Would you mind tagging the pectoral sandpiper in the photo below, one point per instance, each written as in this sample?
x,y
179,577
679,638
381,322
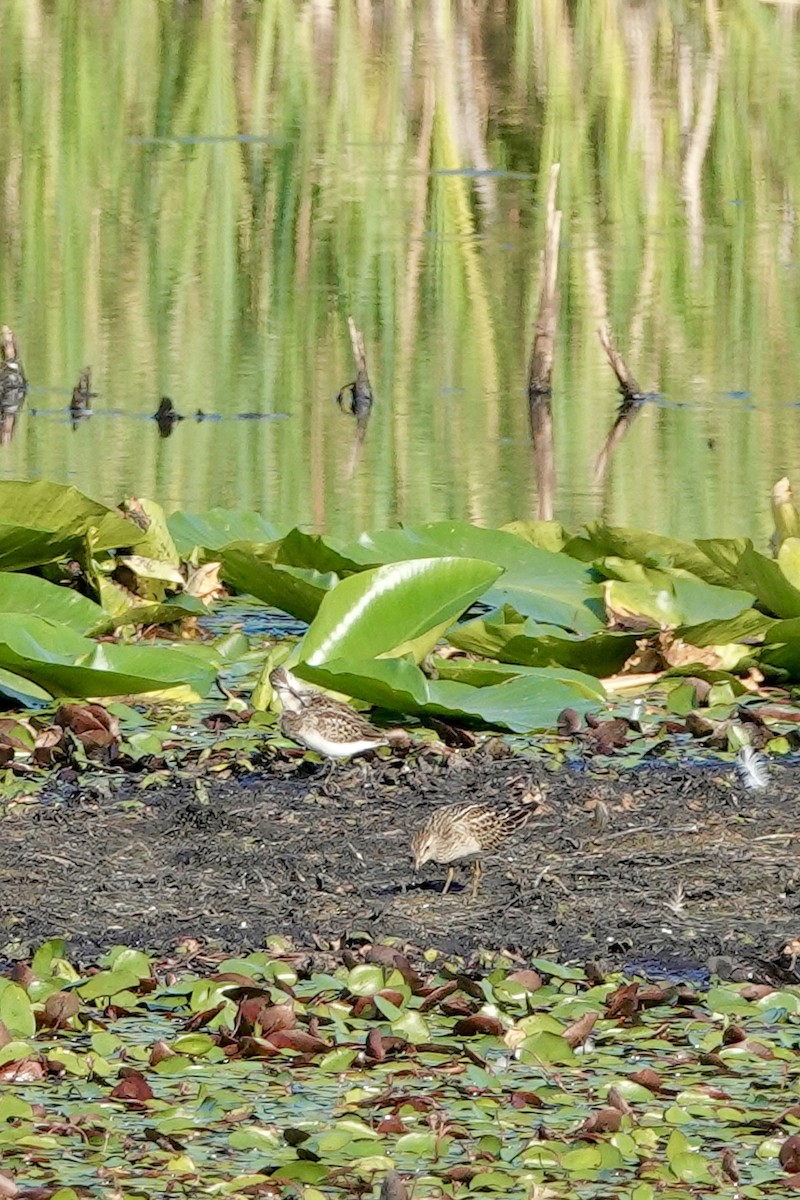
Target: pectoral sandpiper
x,y
319,723
467,831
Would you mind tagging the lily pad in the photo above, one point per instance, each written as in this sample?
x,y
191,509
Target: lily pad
x,y
394,610
522,704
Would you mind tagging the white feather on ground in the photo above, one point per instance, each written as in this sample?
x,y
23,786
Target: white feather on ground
x,y
752,769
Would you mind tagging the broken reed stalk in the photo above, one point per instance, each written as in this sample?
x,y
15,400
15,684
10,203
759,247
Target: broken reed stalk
x,y
13,385
632,398
540,370
361,398
81,402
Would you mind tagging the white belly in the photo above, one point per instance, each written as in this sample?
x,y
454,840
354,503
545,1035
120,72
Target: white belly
x,y
322,745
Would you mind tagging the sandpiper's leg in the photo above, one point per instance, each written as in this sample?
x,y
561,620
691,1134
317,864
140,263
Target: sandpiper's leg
x,y
450,873
477,871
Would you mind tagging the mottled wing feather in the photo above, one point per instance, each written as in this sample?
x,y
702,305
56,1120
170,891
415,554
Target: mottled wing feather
x,y
339,717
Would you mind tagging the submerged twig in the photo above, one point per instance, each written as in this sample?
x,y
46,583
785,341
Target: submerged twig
x,y
540,369
632,399
361,397
81,403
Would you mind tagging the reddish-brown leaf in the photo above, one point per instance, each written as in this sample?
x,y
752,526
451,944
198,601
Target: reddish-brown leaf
x,y
91,723
789,1155
605,1120
729,1166
525,1100
202,1018
132,1089
624,1002
462,1172
756,991
435,995
388,956
22,974
5,1036
60,1006
456,1006
617,1100
253,1047
577,1033
24,1070
649,1079
159,1052
531,980
478,1023
276,1016
374,1047
297,1039
391,1124
8,1188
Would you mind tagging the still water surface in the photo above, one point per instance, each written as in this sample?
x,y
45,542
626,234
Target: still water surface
x,y
195,197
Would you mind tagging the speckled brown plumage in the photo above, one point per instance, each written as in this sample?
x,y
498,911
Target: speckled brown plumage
x,y
467,831
320,723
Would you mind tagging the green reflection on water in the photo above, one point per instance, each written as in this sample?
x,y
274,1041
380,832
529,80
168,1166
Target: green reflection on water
x,y
195,197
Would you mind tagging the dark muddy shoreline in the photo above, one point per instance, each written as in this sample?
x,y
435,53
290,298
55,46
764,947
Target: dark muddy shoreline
x,y
659,865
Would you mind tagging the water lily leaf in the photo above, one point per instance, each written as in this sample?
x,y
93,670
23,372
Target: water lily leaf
x,y
750,624
123,607
295,590
42,522
365,979
547,535
781,648
691,1167
507,636
66,664
301,1171
24,691
549,587
602,541
108,983
675,600
396,609
218,527
584,1158
16,1011
527,702
125,958
20,593
768,582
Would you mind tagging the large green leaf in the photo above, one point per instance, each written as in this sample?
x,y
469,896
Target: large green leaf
x,y
782,647
218,527
649,549
65,664
674,599
766,579
392,610
22,593
295,590
41,522
507,636
529,701
124,608
748,626
23,691
549,587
